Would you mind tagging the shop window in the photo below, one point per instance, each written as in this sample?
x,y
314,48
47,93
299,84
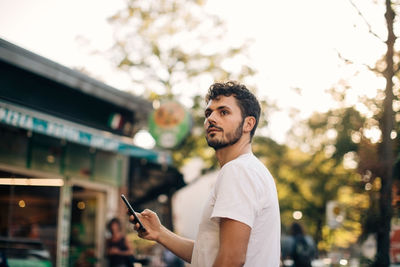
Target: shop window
x,y
78,161
46,153
28,217
13,146
108,167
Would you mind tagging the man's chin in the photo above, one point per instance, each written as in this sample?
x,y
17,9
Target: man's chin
x,y
215,144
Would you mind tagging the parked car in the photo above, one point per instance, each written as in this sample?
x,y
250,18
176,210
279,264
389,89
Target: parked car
x,y
22,252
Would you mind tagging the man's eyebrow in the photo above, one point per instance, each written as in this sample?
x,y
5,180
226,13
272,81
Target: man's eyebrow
x,y
223,107
218,108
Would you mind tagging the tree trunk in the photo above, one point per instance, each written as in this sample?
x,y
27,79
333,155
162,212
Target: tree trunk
x,y
387,125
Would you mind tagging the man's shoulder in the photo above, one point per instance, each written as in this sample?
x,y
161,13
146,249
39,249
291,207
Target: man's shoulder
x,y
245,160
246,165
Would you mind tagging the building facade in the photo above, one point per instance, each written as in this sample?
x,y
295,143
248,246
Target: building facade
x,y
66,155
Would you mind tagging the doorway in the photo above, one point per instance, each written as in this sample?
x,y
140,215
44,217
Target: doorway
x,y
87,227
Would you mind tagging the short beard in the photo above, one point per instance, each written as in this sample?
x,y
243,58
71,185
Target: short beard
x,y
231,140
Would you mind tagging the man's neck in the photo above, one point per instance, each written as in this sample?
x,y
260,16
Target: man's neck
x,y
226,154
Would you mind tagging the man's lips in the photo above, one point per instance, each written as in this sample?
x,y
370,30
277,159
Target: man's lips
x,y
213,129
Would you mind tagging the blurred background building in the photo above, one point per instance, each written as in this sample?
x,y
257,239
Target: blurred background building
x,y
66,154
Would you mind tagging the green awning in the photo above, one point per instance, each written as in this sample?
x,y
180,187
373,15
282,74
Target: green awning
x,y
42,123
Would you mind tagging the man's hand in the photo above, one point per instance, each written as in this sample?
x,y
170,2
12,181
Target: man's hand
x,y
155,231
151,222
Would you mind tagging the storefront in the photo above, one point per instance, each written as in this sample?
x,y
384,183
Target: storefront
x,y
66,154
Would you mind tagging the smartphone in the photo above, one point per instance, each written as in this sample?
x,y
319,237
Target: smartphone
x,y
132,212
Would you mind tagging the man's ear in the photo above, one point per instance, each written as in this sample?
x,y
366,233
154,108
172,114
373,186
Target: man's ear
x,y
249,123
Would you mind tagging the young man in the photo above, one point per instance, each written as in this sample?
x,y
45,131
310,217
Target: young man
x,y
240,225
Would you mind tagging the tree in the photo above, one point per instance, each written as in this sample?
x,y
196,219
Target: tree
x,y
388,69
172,49
386,155
169,46
324,169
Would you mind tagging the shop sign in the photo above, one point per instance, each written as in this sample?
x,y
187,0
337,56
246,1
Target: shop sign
x,y
170,124
46,124
55,129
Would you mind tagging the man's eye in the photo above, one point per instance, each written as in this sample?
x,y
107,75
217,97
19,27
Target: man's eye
x,y
224,112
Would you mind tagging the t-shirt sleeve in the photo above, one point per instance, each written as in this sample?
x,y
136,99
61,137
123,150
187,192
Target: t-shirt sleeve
x,y
235,196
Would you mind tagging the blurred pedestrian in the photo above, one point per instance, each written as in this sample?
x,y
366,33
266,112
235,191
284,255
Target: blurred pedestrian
x,y
303,249
240,225
171,260
119,250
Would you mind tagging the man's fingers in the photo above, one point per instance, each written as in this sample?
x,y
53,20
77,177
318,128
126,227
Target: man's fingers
x,y
142,234
140,230
131,218
146,212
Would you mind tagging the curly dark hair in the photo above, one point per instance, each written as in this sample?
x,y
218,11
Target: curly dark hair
x,y
248,103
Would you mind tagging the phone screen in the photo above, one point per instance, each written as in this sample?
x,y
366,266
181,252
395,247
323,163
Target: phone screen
x,y
132,212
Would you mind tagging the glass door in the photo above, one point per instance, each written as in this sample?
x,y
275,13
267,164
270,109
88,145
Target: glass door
x,y
85,233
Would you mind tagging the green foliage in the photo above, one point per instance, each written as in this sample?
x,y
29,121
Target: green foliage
x,y
172,46
336,131
324,169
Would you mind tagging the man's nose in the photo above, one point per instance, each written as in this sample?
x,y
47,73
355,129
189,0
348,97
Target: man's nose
x,y
211,119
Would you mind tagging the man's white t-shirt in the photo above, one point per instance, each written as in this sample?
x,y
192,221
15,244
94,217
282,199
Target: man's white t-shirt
x,y
245,191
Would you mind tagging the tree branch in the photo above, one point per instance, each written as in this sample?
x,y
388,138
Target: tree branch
x,y
366,22
348,61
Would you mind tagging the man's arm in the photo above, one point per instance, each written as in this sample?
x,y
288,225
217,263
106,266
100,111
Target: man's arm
x,y
234,238
155,231
181,247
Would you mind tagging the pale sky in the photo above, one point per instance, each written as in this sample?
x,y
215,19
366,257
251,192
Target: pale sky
x,y
295,43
